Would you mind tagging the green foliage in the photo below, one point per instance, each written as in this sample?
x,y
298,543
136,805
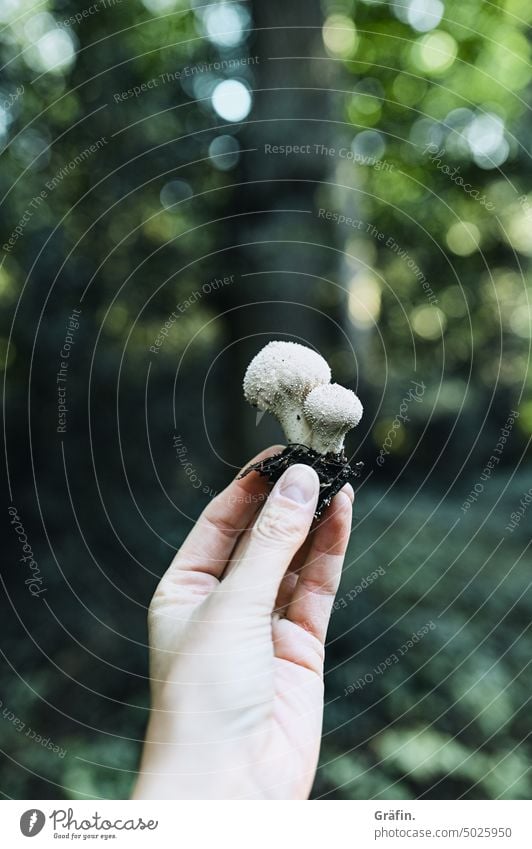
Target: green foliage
x,y
132,231
450,717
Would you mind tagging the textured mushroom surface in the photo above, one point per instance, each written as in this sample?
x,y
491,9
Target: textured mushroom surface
x,y
293,382
333,406
331,411
283,370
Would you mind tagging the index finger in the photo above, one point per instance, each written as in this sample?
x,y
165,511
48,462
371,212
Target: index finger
x,y
211,541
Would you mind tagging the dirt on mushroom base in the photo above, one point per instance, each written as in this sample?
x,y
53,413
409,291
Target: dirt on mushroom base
x,y
333,470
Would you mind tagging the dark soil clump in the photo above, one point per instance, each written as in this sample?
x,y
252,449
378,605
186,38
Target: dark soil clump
x,y
333,470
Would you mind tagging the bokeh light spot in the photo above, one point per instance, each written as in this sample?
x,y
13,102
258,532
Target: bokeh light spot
x,y
231,100
225,24
435,53
340,36
428,322
364,301
159,7
424,15
174,192
224,152
463,238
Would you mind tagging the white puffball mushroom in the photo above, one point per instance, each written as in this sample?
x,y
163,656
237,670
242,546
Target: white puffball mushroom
x,y
279,378
332,411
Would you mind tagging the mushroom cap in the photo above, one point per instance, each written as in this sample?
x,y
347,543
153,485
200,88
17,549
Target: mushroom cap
x,y
333,407
283,370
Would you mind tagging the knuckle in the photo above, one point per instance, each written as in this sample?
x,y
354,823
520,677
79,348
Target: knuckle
x,y
278,525
327,585
214,517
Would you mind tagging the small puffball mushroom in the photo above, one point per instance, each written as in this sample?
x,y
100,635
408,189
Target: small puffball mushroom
x,y
332,411
279,378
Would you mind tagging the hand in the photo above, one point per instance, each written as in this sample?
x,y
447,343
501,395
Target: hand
x,y
237,628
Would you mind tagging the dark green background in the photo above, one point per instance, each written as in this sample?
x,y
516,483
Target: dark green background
x,y
105,504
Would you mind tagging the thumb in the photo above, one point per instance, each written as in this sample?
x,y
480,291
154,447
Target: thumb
x,y
279,531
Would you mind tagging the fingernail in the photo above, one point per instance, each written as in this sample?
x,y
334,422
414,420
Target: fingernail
x,y
349,491
299,484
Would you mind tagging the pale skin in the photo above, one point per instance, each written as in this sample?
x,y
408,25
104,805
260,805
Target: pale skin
x,y
237,628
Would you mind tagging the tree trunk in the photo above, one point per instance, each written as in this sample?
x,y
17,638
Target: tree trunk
x,y
283,246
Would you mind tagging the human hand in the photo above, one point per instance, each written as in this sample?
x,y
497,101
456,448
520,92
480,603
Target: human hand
x,y
237,628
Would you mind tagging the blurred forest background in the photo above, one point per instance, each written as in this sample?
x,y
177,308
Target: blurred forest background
x,y
139,179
